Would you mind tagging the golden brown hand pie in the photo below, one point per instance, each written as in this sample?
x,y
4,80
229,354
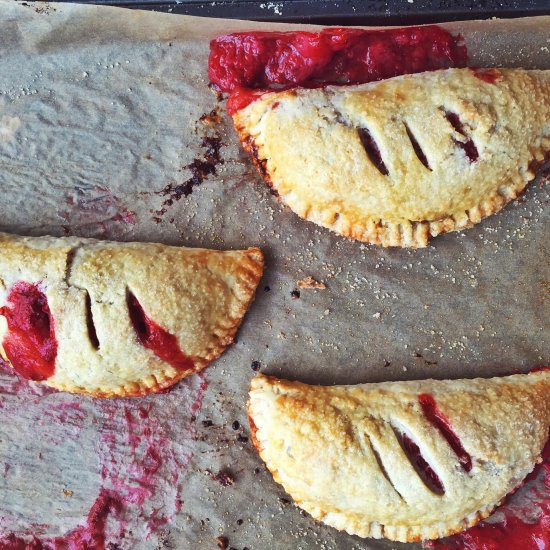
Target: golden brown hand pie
x,y
118,319
401,460
398,161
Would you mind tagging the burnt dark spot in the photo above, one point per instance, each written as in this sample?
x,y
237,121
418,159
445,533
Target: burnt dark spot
x,y
223,477
207,423
255,366
212,118
426,362
214,89
200,168
242,439
295,294
212,146
261,164
236,425
267,288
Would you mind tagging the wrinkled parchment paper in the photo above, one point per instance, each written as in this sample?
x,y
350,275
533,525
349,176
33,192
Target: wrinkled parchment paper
x,y
100,111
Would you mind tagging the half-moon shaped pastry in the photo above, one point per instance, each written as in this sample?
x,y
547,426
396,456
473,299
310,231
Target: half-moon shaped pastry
x,y
118,319
398,161
401,460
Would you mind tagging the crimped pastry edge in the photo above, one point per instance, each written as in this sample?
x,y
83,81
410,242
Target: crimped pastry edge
x,y
376,530
408,234
398,533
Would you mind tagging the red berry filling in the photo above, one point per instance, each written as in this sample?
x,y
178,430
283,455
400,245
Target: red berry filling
x,y
152,336
30,344
430,478
441,422
332,56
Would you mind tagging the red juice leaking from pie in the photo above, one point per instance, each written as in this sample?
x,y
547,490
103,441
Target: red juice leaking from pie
x,y
522,523
242,63
441,422
30,343
163,344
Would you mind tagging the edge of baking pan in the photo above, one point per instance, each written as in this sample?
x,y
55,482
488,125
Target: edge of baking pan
x,y
344,12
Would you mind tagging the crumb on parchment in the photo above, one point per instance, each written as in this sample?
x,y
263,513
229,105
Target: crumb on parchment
x,y
310,282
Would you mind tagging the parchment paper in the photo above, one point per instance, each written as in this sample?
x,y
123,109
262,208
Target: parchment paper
x,y
100,111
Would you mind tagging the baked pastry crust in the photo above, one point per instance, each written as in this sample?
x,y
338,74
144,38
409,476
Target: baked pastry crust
x,y
310,146
336,450
200,296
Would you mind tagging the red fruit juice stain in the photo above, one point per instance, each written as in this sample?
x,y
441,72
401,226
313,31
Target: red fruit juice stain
x,y
487,75
90,535
143,448
522,523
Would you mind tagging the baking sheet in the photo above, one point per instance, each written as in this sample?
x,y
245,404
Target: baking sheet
x,y
103,114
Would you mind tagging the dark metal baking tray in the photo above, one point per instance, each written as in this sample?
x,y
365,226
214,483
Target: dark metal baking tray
x,y
345,12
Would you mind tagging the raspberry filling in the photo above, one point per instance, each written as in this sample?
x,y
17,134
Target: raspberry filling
x,y
441,422
152,336
30,344
468,146
242,62
430,478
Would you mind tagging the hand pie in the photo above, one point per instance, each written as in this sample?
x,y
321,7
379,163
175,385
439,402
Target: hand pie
x,y
401,460
118,319
397,161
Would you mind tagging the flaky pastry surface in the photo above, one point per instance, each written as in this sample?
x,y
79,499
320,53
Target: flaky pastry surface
x,y
198,295
338,450
309,144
